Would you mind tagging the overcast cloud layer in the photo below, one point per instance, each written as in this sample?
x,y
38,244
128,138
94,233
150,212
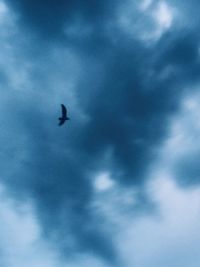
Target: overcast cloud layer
x,y
118,185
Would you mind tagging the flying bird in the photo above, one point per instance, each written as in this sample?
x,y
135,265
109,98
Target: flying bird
x,y
64,115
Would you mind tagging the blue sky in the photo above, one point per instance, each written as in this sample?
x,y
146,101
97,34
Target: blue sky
x,y
118,185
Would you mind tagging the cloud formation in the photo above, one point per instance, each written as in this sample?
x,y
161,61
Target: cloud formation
x,y
123,71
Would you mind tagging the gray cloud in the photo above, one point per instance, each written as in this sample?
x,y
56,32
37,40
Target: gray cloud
x,y
49,17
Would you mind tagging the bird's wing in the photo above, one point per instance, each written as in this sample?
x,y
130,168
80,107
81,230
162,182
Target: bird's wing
x,y
64,110
61,122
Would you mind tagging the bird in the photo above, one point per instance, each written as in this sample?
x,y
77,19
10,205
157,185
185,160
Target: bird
x,y
64,115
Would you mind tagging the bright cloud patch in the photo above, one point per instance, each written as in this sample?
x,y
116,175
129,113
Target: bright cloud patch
x,y
6,20
171,237
3,8
181,144
168,237
145,4
103,182
21,242
163,15
149,20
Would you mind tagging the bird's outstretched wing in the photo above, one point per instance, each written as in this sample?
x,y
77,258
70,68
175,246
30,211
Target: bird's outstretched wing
x,y
61,122
64,111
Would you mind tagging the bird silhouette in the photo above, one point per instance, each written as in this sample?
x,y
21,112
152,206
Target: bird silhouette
x,y
64,115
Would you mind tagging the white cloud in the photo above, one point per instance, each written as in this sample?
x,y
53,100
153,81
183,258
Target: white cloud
x,y
148,20
163,15
171,237
103,182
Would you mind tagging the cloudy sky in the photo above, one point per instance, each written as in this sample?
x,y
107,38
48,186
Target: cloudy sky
x,y
119,184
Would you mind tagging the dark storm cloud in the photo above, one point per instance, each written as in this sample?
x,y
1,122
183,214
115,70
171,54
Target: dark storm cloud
x,y
181,52
127,102
126,114
50,16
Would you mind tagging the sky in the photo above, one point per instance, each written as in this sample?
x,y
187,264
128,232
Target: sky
x,y
119,184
